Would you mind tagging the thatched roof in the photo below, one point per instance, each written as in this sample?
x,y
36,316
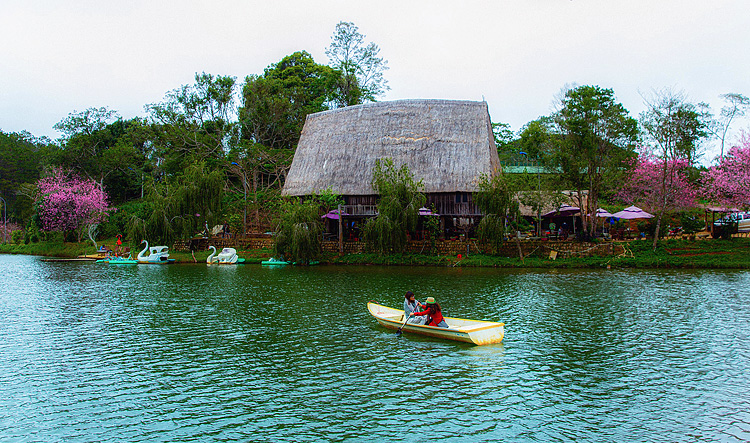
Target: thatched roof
x,y
447,144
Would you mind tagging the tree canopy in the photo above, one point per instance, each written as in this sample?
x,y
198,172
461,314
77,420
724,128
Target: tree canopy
x,y
361,69
596,136
399,198
276,103
673,132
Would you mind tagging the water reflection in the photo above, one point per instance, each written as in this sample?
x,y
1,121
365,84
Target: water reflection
x,y
165,353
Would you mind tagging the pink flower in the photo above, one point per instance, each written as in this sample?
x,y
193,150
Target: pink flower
x,y
728,182
656,185
66,203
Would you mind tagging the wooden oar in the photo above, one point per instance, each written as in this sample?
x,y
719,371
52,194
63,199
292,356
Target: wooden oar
x,y
398,331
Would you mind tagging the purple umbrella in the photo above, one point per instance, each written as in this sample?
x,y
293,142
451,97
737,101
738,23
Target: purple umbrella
x,y
333,215
631,213
563,211
425,211
603,213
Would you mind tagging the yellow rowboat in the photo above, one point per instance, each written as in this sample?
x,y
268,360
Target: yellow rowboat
x,y
470,331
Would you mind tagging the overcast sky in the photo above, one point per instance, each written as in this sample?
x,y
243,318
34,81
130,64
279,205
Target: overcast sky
x,y
62,56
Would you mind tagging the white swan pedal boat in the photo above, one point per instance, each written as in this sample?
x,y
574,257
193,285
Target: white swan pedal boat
x,y
158,255
478,332
227,256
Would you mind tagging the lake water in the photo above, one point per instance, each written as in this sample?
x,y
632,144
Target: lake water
x,y
92,352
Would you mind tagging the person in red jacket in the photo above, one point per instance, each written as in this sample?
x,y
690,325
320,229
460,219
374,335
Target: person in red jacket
x,y
434,312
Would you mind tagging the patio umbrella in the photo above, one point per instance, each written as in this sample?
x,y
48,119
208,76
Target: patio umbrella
x,y
631,213
563,211
603,213
425,211
333,215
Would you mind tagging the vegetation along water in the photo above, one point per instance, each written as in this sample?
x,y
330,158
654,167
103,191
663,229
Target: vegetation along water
x,y
215,353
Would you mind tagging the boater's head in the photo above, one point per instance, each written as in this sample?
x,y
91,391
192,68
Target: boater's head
x,y
432,305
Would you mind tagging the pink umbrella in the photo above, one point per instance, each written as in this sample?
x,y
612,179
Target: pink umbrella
x,y
631,213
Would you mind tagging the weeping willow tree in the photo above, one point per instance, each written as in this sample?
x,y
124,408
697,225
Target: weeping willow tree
x,y
180,207
400,197
299,231
498,199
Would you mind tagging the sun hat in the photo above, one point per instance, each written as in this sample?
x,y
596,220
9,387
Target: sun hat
x,y
430,300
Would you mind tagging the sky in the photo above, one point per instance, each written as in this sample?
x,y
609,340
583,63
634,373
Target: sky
x,y
64,56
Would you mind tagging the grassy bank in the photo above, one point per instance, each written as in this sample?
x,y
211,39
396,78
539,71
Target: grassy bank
x,y
49,249
690,254
701,254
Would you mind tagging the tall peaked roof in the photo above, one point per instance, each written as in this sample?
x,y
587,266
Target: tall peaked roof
x,y
446,143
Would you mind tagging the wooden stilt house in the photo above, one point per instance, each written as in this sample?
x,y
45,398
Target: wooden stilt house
x,y
446,143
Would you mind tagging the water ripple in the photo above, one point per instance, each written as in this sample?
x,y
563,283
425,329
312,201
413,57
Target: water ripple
x,y
196,353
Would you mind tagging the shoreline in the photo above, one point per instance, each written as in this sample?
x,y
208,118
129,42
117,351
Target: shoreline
x,y
673,254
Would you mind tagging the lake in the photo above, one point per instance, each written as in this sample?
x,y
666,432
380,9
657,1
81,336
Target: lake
x,y
92,352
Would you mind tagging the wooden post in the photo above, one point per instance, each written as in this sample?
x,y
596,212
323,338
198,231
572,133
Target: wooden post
x,y
341,231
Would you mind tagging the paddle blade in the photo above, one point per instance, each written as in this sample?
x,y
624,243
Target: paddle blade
x,y
398,331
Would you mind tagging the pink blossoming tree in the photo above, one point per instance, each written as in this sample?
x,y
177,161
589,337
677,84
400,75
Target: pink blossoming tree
x,y
67,203
728,183
659,186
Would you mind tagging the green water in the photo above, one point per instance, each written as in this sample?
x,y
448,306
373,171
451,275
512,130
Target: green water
x,y
91,352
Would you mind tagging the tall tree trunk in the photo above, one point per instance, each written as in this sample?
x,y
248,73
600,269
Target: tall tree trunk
x,y
520,250
656,232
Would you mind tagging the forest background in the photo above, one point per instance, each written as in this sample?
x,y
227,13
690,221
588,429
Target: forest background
x,y
217,151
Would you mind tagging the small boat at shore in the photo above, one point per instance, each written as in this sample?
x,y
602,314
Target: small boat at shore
x,y
227,256
118,261
158,255
478,332
273,262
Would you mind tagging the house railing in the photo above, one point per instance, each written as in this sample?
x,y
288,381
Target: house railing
x,y
443,208
463,209
360,210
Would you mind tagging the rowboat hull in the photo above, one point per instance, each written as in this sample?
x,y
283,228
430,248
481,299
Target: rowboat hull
x,y
477,332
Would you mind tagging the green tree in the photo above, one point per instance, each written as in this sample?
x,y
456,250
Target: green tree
x,y
299,232
362,70
87,136
257,174
194,123
104,150
399,198
276,103
503,135
22,159
498,199
597,136
179,207
537,139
